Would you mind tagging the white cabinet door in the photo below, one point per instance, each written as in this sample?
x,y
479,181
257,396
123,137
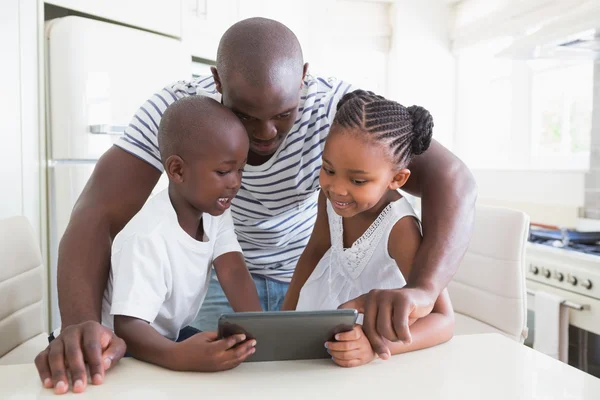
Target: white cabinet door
x,y
163,16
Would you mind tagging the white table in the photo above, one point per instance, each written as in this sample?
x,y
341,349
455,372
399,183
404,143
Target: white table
x,y
487,366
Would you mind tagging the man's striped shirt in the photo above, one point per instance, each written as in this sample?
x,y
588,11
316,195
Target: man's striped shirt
x,y
276,207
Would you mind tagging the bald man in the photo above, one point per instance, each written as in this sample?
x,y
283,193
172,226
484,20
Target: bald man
x,y
261,76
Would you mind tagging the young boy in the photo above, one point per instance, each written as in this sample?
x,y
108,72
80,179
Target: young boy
x,y
161,260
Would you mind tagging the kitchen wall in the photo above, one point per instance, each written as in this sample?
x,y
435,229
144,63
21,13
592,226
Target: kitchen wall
x,y
592,178
421,68
20,167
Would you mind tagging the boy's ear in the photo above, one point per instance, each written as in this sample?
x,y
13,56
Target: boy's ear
x,y
174,168
399,179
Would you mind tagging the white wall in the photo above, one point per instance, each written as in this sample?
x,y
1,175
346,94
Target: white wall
x,y
421,66
19,125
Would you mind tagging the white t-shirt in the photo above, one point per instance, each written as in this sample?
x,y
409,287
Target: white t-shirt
x,y
346,273
276,207
159,273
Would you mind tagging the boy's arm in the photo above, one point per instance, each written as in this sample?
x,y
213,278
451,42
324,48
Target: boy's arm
x,y
233,275
202,352
237,283
144,342
319,243
438,326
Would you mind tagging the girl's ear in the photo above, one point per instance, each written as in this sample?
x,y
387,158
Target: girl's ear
x,y
399,179
174,168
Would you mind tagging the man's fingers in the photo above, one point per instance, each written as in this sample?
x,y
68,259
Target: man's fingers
x,y
43,367
400,320
357,303
113,353
369,327
92,351
76,364
56,359
385,327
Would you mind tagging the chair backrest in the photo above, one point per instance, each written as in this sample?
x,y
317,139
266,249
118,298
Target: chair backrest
x,y
490,283
20,284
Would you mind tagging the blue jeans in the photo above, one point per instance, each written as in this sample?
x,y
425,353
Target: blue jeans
x,y
270,292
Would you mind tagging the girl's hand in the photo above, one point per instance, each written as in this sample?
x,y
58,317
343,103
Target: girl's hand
x,y
351,348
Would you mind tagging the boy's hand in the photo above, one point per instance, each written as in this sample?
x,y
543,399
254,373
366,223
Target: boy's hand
x,y
351,348
203,352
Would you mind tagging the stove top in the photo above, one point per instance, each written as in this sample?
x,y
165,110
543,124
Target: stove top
x,y
583,242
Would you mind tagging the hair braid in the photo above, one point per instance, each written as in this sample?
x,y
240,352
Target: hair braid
x,y
406,131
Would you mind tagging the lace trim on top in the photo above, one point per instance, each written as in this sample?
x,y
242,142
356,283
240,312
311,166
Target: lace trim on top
x,y
354,259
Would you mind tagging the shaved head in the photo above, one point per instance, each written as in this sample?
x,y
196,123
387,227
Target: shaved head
x,y
261,51
197,125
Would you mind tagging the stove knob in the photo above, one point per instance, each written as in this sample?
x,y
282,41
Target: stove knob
x,y
546,272
559,276
572,280
586,283
534,269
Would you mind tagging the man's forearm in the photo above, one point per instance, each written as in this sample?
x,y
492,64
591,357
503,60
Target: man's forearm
x,y
83,266
448,210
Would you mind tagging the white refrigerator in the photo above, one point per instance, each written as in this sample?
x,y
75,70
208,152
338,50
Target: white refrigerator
x,y
98,75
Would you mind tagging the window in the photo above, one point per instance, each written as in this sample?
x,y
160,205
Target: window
x,y
517,114
561,113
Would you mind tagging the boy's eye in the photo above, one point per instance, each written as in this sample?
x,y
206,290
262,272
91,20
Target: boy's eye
x,y
284,115
358,181
327,171
222,173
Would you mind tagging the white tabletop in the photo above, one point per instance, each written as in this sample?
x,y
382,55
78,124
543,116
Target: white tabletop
x,y
487,366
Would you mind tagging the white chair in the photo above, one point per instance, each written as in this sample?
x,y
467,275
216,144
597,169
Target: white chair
x,y
488,292
22,335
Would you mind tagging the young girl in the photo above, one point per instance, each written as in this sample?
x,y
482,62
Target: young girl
x,y
366,234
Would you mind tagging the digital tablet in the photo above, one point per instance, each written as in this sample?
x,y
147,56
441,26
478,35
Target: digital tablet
x,y
288,335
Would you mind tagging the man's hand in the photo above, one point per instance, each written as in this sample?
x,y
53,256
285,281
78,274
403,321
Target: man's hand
x,y
351,348
77,345
204,352
389,313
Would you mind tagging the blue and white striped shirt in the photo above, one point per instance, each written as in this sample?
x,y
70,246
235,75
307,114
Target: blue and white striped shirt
x,y
276,207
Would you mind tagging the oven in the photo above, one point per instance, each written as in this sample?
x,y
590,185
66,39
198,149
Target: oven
x,y
575,277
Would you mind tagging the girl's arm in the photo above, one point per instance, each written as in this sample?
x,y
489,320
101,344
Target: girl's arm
x,y
437,327
319,243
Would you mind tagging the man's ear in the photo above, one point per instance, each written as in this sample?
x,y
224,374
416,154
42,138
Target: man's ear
x,y
399,179
174,167
304,72
215,75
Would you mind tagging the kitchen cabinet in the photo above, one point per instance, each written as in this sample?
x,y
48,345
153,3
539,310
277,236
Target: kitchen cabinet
x,y
161,16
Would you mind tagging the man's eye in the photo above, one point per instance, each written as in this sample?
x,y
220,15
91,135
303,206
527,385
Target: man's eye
x,y
244,117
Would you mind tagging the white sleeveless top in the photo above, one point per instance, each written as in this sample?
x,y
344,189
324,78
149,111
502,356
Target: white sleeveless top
x,y
344,274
